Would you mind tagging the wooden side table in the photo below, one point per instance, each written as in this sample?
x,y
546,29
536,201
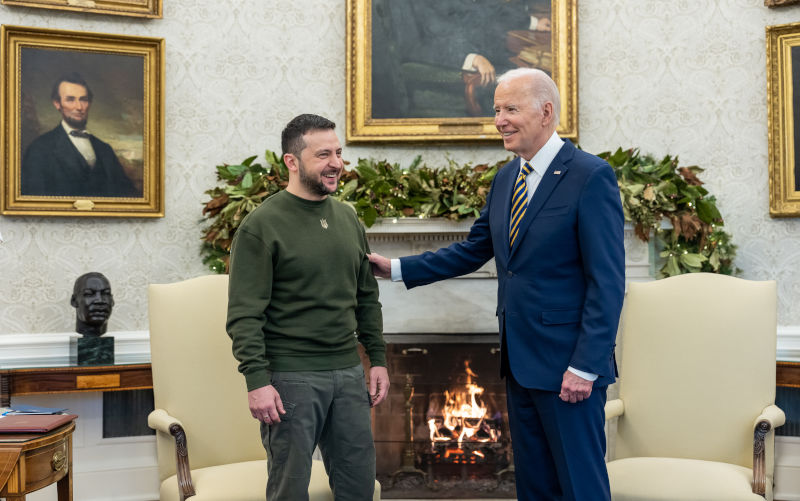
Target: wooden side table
x,y
31,461
73,379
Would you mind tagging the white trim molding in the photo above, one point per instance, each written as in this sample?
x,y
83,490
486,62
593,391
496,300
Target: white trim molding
x,y
788,349
787,469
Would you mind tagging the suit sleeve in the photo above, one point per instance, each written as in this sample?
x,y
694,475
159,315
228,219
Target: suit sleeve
x,y
458,259
600,233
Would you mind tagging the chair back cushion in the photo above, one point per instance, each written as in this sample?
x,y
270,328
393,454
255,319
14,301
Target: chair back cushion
x,y
697,366
195,377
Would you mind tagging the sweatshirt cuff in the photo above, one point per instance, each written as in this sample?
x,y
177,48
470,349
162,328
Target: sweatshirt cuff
x,y
256,380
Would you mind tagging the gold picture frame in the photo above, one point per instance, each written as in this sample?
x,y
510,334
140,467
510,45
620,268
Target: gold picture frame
x,y
401,90
135,8
783,97
114,166
779,3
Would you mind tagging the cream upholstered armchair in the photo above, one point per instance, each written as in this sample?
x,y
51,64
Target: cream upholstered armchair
x,y
207,442
696,392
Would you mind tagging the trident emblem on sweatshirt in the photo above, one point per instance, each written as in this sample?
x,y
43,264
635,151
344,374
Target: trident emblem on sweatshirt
x,y
323,223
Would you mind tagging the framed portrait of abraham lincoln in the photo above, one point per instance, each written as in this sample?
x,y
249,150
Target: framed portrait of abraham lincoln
x,y
421,70
82,124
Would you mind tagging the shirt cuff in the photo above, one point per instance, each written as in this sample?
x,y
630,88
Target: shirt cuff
x,y
468,61
397,273
585,375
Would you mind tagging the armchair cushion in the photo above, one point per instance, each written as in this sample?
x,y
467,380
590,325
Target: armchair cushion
x,y
668,479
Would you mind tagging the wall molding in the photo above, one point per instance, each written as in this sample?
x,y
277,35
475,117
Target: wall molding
x,y
788,349
133,347
787,469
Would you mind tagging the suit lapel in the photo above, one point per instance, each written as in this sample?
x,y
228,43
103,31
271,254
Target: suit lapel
x,y
554,174
67,151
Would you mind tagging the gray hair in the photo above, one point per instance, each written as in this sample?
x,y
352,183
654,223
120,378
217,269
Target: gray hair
x,y
542,88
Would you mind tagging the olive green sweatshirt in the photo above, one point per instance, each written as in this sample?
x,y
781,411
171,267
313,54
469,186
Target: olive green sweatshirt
x,y
301,293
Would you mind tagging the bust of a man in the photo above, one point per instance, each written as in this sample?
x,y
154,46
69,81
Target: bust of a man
x,y
92,300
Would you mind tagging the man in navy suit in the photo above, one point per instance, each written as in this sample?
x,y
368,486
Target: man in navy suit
x,y
68,161
553,222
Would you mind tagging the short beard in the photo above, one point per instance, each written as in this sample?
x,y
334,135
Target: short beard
x,y
75,124
313,186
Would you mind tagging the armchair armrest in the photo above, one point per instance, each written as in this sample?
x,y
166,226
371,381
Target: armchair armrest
x,y
771,417
614,408
159,420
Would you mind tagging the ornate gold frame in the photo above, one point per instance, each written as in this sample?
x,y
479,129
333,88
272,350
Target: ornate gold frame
x,y
784,199
779,3
151,51
135,8
363,128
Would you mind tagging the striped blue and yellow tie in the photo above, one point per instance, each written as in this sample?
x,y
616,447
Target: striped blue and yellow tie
x,y
519,201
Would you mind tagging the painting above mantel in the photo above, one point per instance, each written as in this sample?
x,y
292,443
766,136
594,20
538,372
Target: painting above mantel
x,y
426,71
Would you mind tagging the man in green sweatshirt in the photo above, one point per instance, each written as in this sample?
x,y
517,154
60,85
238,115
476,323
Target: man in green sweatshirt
x,y
301,297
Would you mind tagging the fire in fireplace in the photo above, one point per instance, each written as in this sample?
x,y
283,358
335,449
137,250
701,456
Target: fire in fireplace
x,y
443,432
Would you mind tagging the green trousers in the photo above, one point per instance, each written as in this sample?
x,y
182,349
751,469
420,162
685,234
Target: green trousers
x,y
326,408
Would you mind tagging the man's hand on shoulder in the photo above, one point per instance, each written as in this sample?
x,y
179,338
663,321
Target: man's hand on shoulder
x,y
381,266
378,385
265,404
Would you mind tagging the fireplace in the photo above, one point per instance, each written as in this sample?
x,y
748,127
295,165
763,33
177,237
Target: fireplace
x,y
443,431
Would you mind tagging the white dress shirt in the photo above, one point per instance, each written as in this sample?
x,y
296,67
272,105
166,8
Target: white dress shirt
x,y
82,143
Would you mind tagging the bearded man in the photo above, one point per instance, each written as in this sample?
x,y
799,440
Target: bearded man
x,y
301,297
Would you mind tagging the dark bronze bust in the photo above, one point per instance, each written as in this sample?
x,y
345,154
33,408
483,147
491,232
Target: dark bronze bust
x,y
92,299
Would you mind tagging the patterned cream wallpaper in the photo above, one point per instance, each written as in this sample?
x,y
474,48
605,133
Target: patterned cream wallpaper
x,y
669,76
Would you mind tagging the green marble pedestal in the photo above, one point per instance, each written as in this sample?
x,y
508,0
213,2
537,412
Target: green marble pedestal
x,y
96,350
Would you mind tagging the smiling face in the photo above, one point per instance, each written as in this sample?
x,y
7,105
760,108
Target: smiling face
x,y
524,124
315,173
74,103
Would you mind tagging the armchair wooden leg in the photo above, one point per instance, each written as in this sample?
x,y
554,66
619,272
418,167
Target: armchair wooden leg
x,y
184,473
759,458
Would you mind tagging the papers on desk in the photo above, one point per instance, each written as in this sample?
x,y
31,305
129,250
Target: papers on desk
x,y
30,410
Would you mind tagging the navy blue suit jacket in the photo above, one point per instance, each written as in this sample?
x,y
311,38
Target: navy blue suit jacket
x,y
53,166
560,289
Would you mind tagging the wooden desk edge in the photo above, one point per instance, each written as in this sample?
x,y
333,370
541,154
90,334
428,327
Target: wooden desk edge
x,y
50,380
787,374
